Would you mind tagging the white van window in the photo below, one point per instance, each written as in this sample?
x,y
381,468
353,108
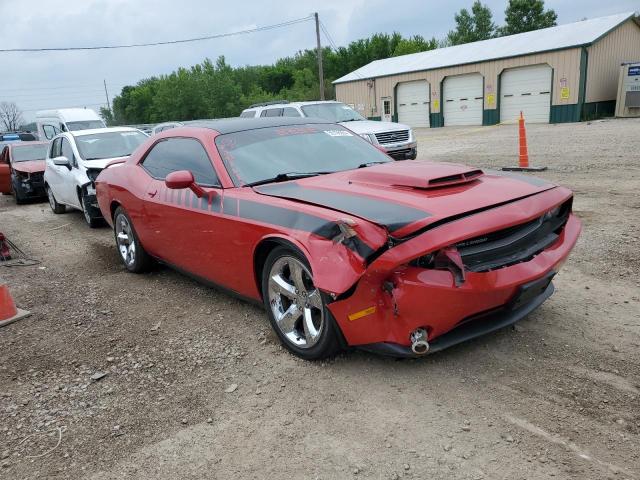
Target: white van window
x,y
248,114
85,125
50,131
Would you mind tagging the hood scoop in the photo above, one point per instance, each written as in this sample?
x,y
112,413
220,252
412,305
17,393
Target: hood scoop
x,y
418,175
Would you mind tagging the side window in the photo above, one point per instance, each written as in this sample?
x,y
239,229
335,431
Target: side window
x,y
50,131
4,156
271,112
67,151
248,114
175,154
55,148
290,112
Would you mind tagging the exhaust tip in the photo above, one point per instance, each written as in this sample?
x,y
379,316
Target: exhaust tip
x,y
419,343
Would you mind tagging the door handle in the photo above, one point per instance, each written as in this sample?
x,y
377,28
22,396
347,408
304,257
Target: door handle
x,y
152,194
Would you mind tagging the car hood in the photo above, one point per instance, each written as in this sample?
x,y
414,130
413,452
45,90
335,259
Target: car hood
x,y
29,166
371,126
406,196
101,163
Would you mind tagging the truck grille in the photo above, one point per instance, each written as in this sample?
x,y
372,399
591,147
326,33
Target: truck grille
x,y
392,137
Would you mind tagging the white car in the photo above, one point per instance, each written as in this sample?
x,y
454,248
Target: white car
x,y
75,159
396,139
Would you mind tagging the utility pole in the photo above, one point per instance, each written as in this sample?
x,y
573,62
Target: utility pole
x,y
320,71
106,93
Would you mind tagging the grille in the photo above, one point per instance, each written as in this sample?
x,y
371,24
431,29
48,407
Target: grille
x,y
392,137
513,245
400,154
37,177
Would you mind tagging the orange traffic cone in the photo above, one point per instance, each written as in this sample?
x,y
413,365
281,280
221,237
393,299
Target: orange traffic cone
x,y
8,311
523,164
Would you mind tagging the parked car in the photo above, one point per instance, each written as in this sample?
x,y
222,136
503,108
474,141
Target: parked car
x,y
161,127
395,139
342,245
74,160
22,170
52,122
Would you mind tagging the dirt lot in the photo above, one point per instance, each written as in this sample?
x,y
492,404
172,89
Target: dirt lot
x,y
556,396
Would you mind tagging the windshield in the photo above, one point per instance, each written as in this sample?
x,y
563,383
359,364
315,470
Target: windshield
x,y
257,155
108,144
333,112
24,153
85,125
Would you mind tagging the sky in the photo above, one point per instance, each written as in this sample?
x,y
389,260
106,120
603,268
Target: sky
x,y
41,80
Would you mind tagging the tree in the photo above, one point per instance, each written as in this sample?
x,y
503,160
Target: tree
x,y
10,115
472,26
107,116
414,44
526,15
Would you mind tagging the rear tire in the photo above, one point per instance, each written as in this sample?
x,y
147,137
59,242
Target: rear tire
x,y
56,207
297,310
131,251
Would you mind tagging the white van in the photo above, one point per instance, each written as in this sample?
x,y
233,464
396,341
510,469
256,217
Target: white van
x,y
52,122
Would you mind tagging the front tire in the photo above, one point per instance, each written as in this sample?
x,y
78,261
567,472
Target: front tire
x,y
296,309
56,207
92,221
132,254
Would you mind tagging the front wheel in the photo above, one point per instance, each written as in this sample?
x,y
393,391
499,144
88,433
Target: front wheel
x,y
53,203
132,254
89,216
296,308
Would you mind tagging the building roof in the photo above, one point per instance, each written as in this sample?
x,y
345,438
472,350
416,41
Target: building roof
x,y
560,37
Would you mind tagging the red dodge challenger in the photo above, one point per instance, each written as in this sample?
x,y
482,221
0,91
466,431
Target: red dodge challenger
x,y
344,246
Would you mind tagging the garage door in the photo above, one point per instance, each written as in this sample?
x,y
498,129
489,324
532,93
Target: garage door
x,y
413,103
526,89
463,100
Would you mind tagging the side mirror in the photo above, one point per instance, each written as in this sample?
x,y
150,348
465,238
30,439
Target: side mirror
x,y
62,161
183,179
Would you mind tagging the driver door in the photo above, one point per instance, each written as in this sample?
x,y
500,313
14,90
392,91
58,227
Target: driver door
x,y
183,230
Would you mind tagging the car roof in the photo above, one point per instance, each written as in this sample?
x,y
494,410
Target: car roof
x,y
91,131
237,124
289,104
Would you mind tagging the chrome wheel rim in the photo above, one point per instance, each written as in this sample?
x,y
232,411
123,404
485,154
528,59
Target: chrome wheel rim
x,y
52,202
125,241
295,302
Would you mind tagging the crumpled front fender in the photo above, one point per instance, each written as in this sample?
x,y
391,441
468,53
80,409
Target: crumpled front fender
x,y
374,313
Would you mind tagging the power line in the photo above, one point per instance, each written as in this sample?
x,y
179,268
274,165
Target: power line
x,y
101,104
169,42
91,86
326,34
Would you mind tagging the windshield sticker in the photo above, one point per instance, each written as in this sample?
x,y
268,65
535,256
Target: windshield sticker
x,y
338,133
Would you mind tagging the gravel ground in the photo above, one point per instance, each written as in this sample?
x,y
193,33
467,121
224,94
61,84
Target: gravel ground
x,y
154,376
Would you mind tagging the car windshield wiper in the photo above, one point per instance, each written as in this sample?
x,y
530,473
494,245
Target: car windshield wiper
x,y
283,177
363,165
351,120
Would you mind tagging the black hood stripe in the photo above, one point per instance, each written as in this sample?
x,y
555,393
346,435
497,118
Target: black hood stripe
x,y
389,214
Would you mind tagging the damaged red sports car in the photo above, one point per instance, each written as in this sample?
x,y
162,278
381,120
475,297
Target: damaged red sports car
x,y
344,246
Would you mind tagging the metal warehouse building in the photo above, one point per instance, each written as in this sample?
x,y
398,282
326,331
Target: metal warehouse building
x,y
558,74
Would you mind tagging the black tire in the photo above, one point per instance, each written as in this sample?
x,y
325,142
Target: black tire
x,y
56,207
89,214
328,341
20,199
141,262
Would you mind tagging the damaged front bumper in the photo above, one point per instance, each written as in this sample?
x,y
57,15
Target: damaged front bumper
x,y
29,185
393,299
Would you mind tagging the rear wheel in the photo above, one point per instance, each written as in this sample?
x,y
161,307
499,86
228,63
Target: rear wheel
x,y
53,203
296,308
132,254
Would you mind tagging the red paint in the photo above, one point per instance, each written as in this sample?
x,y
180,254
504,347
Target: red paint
x,y
211,237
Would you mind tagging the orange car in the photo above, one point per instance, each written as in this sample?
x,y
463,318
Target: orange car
x,y
22,170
